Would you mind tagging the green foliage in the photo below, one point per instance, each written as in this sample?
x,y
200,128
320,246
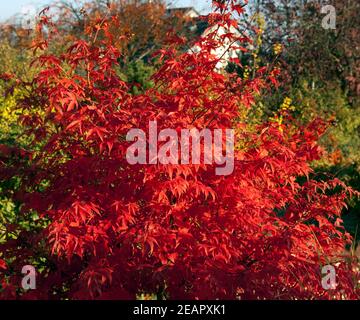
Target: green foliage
x,y
321,77
330,101
13,60
138,74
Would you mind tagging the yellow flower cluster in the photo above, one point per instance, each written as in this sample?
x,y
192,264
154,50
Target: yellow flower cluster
x,y
285,107
8,114
260,21
277,48
146,296
246,73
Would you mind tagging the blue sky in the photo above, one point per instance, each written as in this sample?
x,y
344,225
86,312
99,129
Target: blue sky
x,y
9,8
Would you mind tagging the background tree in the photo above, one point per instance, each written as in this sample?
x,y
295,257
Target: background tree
x,y
320,72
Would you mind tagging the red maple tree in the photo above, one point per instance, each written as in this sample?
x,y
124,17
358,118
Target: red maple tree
x,y
115,230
